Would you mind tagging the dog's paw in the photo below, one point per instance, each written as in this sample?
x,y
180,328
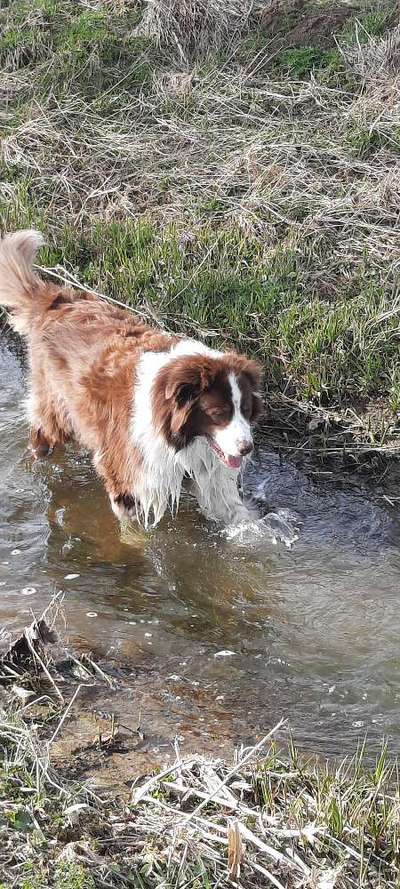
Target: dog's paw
x,y
124,506
39,445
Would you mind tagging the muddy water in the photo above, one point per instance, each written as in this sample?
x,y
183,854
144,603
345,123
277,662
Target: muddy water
x,y
225,633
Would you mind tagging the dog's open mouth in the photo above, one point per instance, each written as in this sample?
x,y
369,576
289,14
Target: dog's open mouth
x,y
227,459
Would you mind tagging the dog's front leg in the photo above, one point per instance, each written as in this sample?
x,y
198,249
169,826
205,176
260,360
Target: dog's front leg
x,y
218,496
119,485
124,506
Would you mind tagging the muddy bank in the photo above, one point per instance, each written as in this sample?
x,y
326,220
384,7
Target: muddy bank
x,y
118,733
120,721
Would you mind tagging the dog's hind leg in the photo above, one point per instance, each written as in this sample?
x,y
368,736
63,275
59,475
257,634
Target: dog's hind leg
x,y
39,444
46,433
49,424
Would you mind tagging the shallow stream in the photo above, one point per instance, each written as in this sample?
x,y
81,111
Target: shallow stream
x,y
238,629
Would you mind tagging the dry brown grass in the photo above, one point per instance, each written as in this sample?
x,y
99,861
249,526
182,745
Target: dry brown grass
x,y
194,27
278,157
258,156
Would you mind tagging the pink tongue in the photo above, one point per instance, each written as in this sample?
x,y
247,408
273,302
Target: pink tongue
x,y
234,462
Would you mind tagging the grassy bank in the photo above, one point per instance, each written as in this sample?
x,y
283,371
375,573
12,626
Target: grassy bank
x,y
231,169
271,817
270,822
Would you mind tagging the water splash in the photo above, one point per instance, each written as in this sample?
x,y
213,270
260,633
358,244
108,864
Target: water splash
x,y
281,526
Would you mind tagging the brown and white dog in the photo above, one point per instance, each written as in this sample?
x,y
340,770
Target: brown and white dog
x,y
152,408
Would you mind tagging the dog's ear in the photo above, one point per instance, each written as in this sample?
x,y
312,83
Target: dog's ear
x,y
187,378
252,371
182,392
182,397
257,407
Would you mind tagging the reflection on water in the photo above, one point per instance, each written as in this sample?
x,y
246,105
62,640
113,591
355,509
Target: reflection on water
x,y
309,632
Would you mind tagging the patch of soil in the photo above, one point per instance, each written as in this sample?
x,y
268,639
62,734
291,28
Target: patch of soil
x,y
114,735
363,433
302,24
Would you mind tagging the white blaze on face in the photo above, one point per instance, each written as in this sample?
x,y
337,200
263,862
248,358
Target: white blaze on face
x,y
236,436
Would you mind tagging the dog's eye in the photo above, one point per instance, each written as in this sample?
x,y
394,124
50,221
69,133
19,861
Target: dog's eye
x,y
219,415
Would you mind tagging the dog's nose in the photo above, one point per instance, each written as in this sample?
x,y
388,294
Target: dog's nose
x,y
245,447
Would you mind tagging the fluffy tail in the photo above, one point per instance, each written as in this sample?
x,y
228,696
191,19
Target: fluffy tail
x,y
20,288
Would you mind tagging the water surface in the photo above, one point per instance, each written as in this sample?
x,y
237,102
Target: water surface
x,y
239,631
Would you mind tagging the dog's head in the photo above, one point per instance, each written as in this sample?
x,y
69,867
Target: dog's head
x,y
215,397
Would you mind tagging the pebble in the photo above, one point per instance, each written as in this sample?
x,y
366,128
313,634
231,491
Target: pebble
x,y
71,576
28,591
225,653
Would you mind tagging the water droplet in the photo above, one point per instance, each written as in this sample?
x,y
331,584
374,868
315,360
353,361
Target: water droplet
x,y
28,591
